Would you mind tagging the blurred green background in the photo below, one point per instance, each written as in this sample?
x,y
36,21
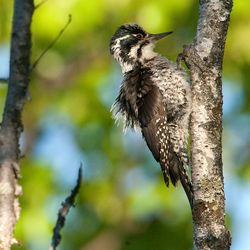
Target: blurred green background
x,y
123,203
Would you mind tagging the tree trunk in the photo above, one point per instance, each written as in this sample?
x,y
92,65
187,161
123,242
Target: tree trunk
x,y
11,126
204,59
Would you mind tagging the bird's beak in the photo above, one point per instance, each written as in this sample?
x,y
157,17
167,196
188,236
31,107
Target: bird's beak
x,y
156,37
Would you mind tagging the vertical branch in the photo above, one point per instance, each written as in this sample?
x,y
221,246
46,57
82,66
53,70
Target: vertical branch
x,y
204,59
11,126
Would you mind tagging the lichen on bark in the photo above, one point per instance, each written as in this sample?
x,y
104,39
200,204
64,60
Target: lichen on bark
x,y
204,59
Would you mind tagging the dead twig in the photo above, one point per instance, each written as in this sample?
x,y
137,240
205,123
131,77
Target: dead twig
x,y
51,44
4,80
40,4
66,205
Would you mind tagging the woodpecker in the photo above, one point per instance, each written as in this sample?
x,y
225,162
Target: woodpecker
x,y
154,96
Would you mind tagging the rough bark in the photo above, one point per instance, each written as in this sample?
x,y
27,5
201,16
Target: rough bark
x,y
11,126
204,59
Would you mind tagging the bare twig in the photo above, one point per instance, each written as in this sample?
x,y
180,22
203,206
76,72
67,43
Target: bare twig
x,y
3,80
52,43
66,205
40,4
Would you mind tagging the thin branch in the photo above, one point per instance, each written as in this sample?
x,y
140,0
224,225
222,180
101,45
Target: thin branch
x,y
52,43
4,80
41,3
66,205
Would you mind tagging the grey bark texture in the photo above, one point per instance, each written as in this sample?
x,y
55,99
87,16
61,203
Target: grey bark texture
x,y
11,126
204,59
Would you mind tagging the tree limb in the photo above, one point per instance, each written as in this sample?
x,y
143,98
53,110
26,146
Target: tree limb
x,y
11,126
3,80
204,59
66,205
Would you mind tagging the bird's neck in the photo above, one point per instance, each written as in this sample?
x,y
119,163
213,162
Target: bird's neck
x,y
127,66
137,56
147,53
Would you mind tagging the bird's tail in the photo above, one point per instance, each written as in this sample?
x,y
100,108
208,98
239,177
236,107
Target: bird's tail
x,y
174,168
186,183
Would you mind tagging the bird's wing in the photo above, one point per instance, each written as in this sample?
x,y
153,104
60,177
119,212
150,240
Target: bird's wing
x,y
150,109
155,130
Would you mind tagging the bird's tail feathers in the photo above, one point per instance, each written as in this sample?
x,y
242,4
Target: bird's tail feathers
x,y
172,166
186,183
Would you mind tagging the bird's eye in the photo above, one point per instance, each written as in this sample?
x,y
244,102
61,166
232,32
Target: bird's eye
x,y
139,36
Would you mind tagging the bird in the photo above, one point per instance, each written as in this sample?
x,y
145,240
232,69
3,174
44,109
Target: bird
x,y
154,97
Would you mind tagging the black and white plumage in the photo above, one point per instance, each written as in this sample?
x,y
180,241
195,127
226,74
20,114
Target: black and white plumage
x,y
154,96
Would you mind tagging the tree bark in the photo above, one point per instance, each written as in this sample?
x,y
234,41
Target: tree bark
x,y
11,126
204,59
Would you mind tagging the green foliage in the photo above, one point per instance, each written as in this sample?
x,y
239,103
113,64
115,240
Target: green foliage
x,y
123,202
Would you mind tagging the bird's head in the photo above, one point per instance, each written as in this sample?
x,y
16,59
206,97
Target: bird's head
x,y
131,44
